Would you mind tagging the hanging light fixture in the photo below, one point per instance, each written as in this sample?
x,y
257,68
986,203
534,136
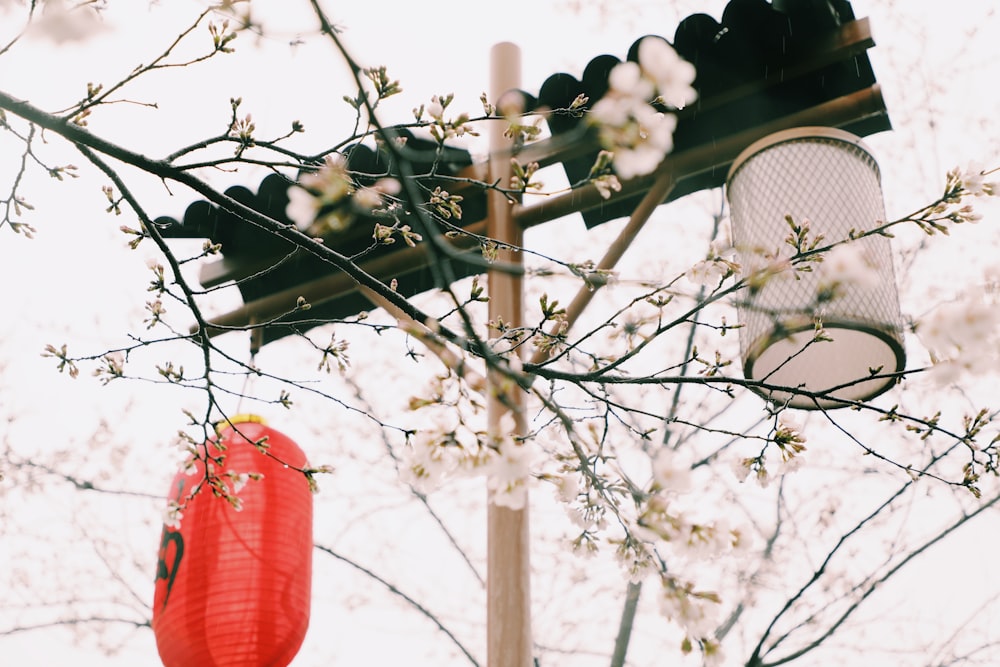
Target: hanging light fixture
x,y
804,328
233,583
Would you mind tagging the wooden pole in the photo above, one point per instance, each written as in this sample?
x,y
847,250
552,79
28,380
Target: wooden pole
x,y
508,577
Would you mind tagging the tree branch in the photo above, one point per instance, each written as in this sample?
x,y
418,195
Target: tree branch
x,y
410,601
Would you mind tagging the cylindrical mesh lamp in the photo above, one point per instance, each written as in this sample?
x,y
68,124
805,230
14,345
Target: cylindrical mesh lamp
x,y
829,178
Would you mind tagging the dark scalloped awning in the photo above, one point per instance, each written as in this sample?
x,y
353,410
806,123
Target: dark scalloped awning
x,y
760,62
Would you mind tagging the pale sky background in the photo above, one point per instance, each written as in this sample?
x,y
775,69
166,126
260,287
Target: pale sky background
x,y
77,283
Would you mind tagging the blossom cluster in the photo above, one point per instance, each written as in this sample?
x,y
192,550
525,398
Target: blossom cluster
x,y
660,530
453,445
971,181
787,437
954,207
848,265
629,119
442,128
664,524
719,264
64,22
225,485
327,200
657,527
963,335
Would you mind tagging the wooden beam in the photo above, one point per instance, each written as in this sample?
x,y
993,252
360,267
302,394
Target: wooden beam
x,y
718,155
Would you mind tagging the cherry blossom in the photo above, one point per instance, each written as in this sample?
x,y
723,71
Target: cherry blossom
x,y
671,74
695,611
637,133
962,335
429,460
173,515
672,471
508,473
435,109
717,265
973,181
302,208
847,265
62,22
315,204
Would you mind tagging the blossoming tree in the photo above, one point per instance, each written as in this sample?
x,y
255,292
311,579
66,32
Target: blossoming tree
x,y
643,446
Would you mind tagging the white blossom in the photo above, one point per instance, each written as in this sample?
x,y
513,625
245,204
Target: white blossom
x,y
331,180
672,74
712,654
638,135
116,362
388,186
613,111
707,540
508,473
719,263
606,185
239,480
635,561
848,265
321,191
367,199
370,198
763,477
741,540
568,487
627,79
958,325
741,468
583,546
672,471
761,265
792,463
695,612
63,22
435,109
706,273
973,180
173,515
302,208
962,336
637,161
427,461
580,519
629,126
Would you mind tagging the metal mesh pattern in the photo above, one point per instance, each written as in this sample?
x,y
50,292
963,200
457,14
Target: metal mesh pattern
x,y
833,183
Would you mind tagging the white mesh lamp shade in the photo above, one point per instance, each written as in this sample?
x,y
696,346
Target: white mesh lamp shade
x,y
829,178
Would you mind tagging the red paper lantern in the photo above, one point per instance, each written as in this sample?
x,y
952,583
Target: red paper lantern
x,y
233,587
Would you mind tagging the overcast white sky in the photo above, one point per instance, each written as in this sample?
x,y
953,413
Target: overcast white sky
x,y
76,283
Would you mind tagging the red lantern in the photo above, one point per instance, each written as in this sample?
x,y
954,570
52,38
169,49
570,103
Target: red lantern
x,y
233,584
